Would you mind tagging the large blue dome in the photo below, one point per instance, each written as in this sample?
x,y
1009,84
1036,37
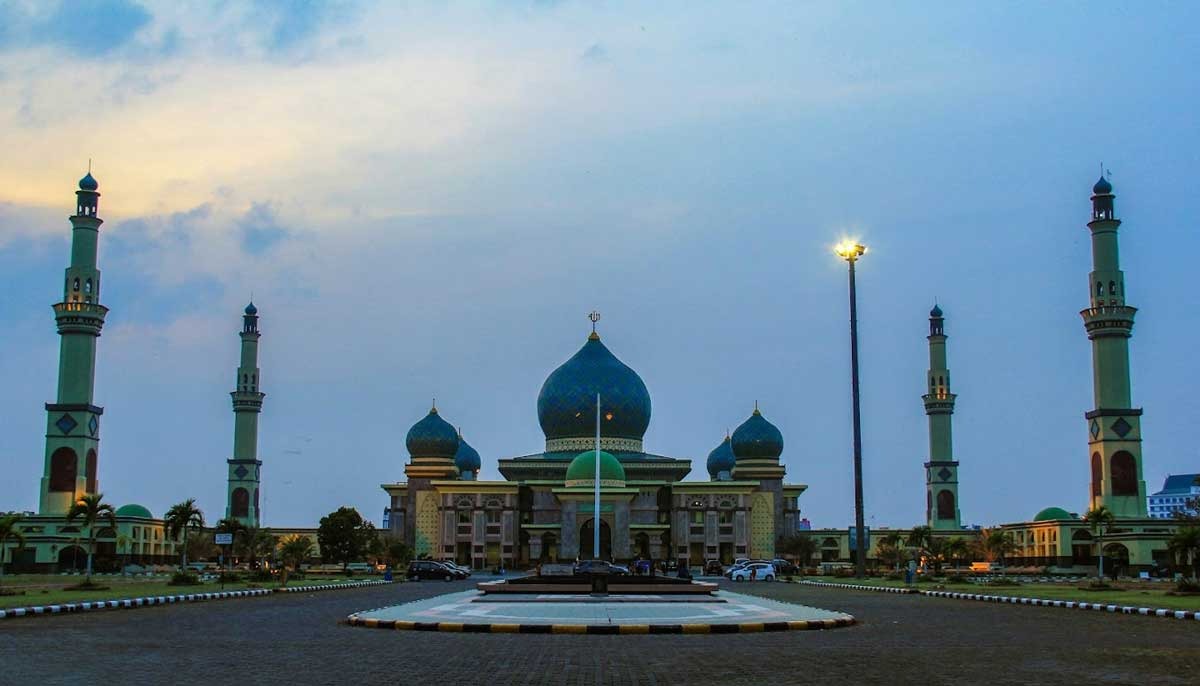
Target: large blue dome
x,y
467,458
567,403
721,459
757,438
432,437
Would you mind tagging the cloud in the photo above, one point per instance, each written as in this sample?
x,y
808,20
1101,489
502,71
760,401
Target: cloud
x,y
80,27
595,53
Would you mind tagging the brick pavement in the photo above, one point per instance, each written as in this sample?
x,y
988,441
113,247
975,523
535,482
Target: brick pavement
x,y
901,639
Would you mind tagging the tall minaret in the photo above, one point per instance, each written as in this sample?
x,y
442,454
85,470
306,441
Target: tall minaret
x,y
941,471
73,422
242,498
1114,427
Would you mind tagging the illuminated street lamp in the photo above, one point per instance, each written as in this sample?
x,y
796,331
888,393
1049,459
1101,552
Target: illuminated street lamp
x,y
850,251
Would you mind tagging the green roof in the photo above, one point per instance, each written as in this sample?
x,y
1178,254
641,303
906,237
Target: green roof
x,y
1052,513
134,510
583,469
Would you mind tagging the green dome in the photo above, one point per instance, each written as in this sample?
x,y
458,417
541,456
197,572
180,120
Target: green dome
x,y
582,471
1051,513
134,510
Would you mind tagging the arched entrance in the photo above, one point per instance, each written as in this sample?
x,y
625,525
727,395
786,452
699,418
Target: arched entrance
x,y
641,545
72,557
549,547
1116,559
586,541
1082,547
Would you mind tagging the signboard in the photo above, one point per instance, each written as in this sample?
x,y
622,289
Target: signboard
x,y
854,539
590,508
223,539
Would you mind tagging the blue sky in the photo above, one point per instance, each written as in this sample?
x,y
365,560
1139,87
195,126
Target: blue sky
x,y
427,200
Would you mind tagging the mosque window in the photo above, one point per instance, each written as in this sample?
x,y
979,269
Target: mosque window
x,y
464,516
945,505
64,466
1112,287
75,285
90,471
1099,288
697,517
239,503
1124,474
87,286
725,517
1097,474
493,517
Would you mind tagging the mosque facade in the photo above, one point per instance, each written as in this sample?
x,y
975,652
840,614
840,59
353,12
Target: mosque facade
x,y
544,509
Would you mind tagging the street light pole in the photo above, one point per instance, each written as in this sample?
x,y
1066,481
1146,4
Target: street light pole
x,y
851,251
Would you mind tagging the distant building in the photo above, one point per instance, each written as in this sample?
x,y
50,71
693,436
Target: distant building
x,y
1178,491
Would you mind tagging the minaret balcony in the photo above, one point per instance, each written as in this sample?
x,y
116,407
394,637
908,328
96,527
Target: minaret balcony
x,y
79,317
939,403
1108,320
247,401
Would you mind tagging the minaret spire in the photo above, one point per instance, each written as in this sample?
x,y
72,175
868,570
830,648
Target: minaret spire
x,y
1114,426
73,421
941,471
242,501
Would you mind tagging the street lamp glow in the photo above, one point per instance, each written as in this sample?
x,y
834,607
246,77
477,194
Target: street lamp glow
x,y
850,250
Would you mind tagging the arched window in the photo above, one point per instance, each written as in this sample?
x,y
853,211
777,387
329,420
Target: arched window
x,y
75,284
1124,474
1099,288
64,466
1097,474
1112,287
90,471
87,286
239,505
945,505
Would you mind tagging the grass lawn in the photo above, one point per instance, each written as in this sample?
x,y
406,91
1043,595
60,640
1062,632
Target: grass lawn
x,y
1131,595
49,590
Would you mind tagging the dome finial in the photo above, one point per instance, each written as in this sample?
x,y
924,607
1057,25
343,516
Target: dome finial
x,y
594,316
433,407
756,408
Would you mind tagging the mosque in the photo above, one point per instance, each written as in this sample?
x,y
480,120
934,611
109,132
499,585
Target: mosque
x,y
544,508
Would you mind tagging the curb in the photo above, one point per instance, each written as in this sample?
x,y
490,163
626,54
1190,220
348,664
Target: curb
x,y
861,587
133,603
1020,600
600,629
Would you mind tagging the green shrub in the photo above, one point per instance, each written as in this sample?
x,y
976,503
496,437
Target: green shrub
x,y
230,578
184,579
1187,586
261,575
1003,582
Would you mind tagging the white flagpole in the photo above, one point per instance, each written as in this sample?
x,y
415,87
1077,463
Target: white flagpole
x,y
596,519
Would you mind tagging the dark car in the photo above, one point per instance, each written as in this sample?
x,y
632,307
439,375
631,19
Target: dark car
x,y
785,568
600,567
714,568
419,570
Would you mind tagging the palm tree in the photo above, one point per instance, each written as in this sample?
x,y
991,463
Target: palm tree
x,y
9,532
936,550
123,548
957,549
995,544
294,549
182,517
919,537
91,508
1100,520
254,543
1186,543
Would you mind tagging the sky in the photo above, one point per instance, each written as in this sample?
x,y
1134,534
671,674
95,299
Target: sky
x,y
427,199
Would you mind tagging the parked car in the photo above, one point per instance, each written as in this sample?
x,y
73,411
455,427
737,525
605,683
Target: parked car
x,y
785,568
457,567
419,570
714,568
600,566
760,571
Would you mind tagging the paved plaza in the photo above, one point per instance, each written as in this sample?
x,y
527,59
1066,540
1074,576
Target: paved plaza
x,y
726,609
898,639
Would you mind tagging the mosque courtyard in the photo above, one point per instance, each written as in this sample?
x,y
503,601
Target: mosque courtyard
x,y
897,639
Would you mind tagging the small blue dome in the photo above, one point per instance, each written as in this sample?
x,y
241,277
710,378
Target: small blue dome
x,y
721,459
432,437
467,458
935,312
757,438
566,405
251,309
88,183
1102,187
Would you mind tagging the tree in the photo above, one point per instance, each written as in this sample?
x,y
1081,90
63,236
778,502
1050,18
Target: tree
x,y
184,517
123,542
395,552
92,509
9,532
800,546
1186,544
1100,520
293,550
919,537
957,550
936,550
343,536
890,550
995,545
254,543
